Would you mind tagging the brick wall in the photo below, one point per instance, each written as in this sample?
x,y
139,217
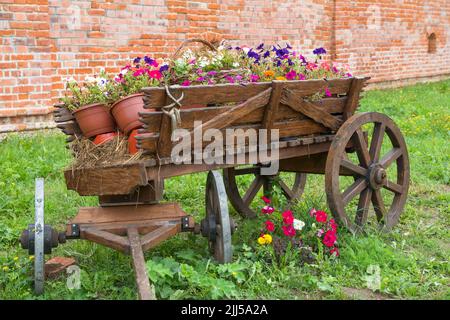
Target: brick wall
x,y
42,42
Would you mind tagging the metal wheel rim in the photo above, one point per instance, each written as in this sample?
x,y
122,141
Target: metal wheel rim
x,y
217,206
351,129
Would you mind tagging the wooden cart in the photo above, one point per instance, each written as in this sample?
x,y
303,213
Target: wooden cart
x,y
322,137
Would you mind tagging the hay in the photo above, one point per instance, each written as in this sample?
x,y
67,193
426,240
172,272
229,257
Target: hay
x,y
114,152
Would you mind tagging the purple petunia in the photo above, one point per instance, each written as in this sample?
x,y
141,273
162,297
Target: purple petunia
x,y
266,54
319,51
281,52
253,54
148,60
211,73
137,60
260,47
164,67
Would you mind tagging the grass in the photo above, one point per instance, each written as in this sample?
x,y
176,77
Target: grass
x,y
413,258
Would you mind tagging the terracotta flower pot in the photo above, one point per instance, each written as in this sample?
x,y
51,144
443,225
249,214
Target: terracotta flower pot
x,y
126,112
132,148
94,119
105,137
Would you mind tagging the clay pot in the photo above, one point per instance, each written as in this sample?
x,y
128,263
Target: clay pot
x,y
132,148
105,137
94,119
126,112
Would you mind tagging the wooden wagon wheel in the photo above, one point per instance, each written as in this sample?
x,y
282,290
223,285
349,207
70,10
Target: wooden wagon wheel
x,y
217,225
380,175
242,202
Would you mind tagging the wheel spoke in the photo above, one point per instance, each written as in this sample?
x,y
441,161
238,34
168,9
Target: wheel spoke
x,y
288,193
253,190
357,186
361,148
363,206
390,157
378,204
394,187
357,170
377,141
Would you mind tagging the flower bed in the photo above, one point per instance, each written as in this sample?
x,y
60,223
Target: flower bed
x,y
308,234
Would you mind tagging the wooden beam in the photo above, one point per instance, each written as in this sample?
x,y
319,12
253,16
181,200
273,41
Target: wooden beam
x,y
142,281
310,110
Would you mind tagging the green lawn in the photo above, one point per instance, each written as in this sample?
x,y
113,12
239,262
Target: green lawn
x,y
413,258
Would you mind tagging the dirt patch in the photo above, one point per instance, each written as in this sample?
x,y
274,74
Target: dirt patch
x,y
364,294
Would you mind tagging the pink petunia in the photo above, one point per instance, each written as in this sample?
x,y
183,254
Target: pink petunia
x,y
155,74
291,75
327,92
186,83
265,199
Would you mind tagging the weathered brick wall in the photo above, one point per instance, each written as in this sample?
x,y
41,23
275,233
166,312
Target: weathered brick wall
x,y
42,42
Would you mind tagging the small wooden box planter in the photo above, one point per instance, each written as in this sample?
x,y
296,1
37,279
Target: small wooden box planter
x,y
315,137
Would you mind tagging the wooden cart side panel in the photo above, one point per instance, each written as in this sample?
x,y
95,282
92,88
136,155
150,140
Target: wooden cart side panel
x,y
155,97
353,96
116,180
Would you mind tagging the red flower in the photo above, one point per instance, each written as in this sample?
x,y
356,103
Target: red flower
x,y
267,210
289,230
155,74
265,199
335,251
333,225
329,239
321,216
288,217
270,226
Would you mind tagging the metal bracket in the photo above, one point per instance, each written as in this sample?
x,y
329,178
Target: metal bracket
x,y
185,224
74,232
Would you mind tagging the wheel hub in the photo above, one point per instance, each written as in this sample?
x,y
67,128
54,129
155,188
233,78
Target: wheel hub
x,y
377,176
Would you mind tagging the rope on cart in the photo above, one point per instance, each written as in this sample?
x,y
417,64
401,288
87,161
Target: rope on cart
x,y
173,109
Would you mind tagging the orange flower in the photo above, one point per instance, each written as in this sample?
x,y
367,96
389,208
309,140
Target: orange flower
x,y
269,73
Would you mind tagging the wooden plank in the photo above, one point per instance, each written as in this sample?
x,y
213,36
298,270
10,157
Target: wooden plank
x,y
127,214
142,281
204,94
155,237
239,111
164,146
105,238
309,109
299,128
272,107
306,88
353,96
106,180
62,114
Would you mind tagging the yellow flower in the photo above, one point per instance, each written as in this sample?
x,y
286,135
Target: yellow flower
x,y
16,258
265,239
6,268
268,238
269,73
261,240
280,78
31,257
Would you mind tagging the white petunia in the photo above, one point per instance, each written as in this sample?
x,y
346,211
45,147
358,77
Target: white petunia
x,y
298,224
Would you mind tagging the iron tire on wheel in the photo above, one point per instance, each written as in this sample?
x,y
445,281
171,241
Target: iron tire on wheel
x,y
217,222
370,175
241,203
